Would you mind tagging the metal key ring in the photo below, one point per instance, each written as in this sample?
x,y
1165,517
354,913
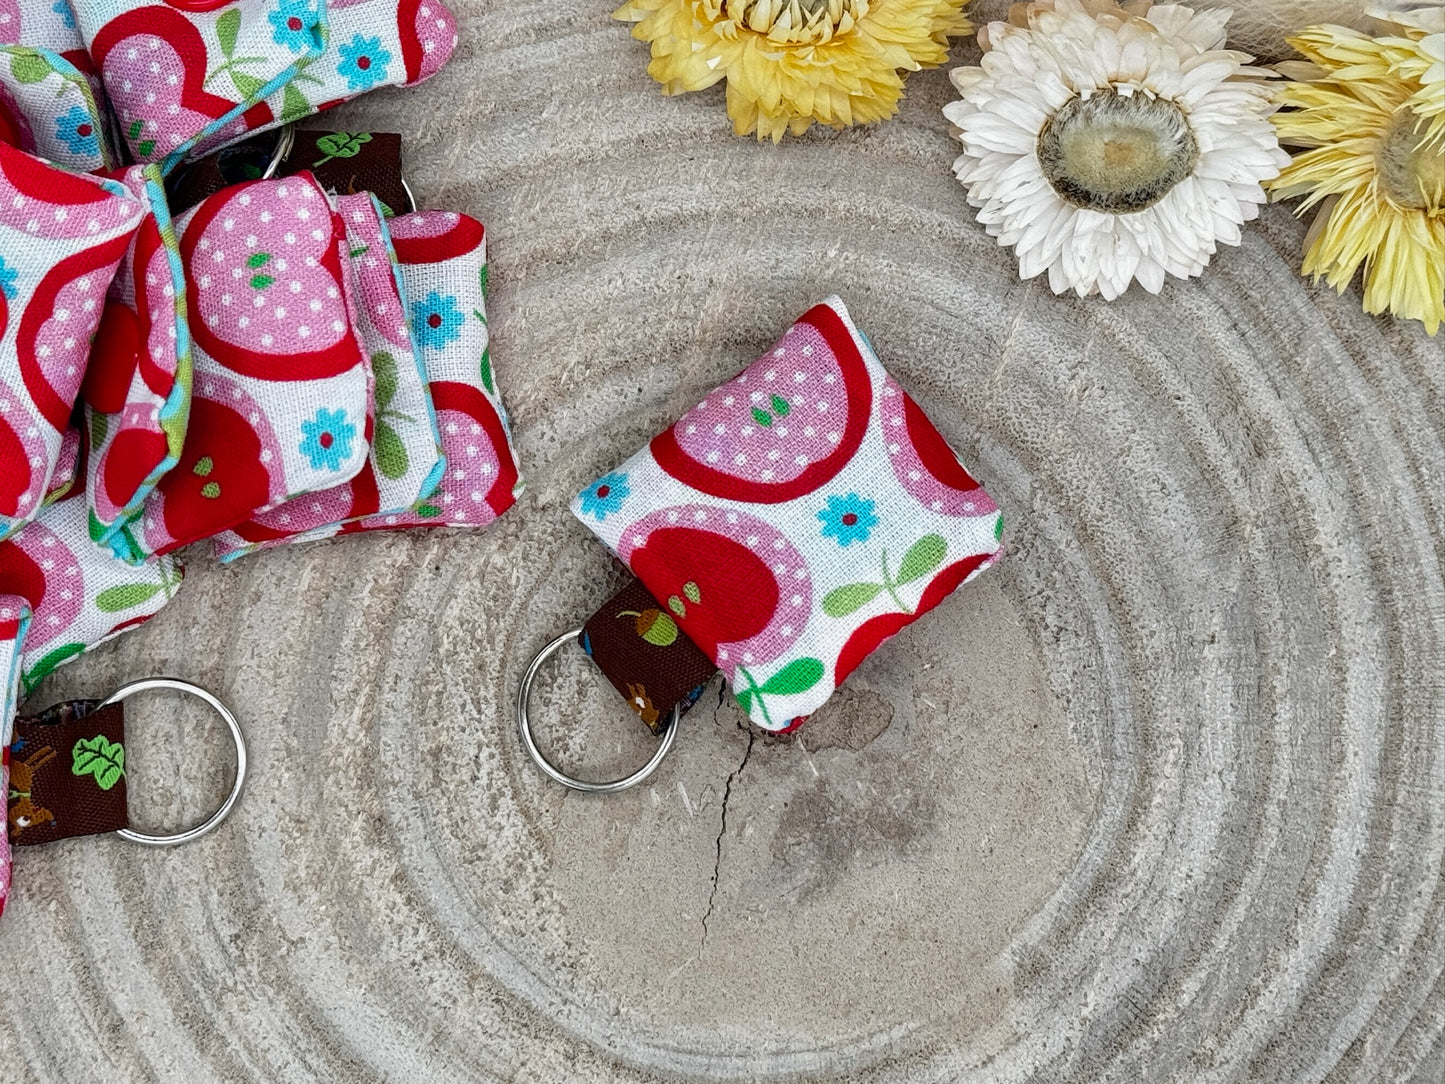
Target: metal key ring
x,y
524,724
214,820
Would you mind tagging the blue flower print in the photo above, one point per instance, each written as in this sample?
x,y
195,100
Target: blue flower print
x,y
67,17
848,519
8,275
363,63
293,25
328,439
436,321
76,129
605,496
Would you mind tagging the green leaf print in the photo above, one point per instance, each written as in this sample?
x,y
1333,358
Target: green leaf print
x,y
487,371
99,426
428,511
925,555
293,104
100,757
391,457
798,676
842,601
125,595
340,145
383,367
49,662
29,68
228,27
247,86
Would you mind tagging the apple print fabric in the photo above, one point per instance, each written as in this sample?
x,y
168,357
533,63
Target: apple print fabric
x,y
797,517
79,593
282,394
51,109
186,77
405,464
194,74
136,393
61,237
443,259
43,24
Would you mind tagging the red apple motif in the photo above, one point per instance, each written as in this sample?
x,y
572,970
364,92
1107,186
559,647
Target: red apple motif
x,y
14,127
221,479
198,5
24,456
114,358
155,295
434,236
39,567
357,498
160,99
55,329
12,609
867,636
923,462
428,34
127,463
266,301
736,586
37,198
784,427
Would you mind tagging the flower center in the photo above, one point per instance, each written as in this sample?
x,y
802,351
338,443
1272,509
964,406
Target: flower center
x,y
1411,172
849,519
602,492
791,22
1117,153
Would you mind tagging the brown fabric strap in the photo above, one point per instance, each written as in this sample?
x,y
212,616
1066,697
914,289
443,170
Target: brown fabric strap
x,y
67,773
648,659
343,162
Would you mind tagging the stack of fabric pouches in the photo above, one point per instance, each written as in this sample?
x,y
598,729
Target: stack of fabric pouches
x,y
189,354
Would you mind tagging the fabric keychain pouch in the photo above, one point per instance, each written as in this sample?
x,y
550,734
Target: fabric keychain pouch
x,y
136,394
796,518
183,84
48,107
443,260
61,237
405,462
282,394
195,76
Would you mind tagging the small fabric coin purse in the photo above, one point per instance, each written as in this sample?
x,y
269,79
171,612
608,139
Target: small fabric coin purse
x,y
61,237
187,78
796,518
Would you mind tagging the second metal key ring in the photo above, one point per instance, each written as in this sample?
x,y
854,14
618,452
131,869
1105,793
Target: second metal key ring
x,y
524,725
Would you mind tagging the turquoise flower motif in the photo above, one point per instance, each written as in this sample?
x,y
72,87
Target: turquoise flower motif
x,y
328,438
77,130
8,275
293,25
848,519
363,63
605,496
67,17
437,320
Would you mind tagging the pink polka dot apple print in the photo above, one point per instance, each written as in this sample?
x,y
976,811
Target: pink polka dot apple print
x,y
263,275
38,566
23,452
62,342
162,106
160,298
472,468
922,461
9,22
737,586
434,32
782,428
377,290
60,207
